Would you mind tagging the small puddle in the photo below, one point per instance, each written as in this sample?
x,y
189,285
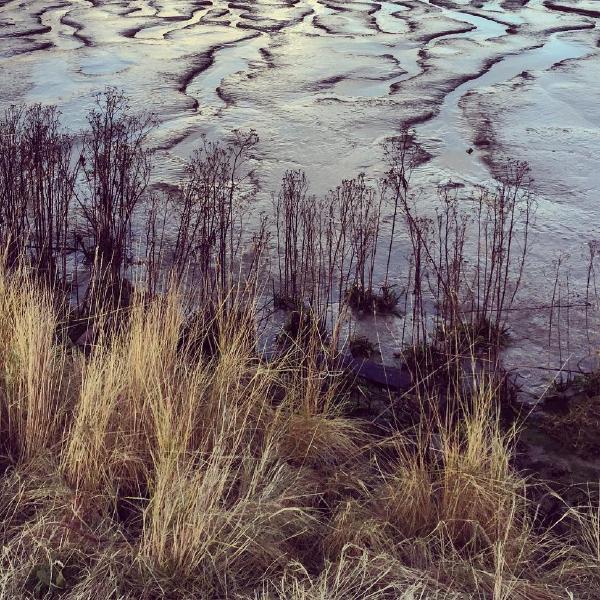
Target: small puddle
x,y
388,22
228,60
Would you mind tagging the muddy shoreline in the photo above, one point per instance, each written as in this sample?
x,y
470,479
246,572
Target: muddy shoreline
x,y
325,83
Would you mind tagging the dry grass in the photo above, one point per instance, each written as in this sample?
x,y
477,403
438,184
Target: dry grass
x,y
32,369
147,471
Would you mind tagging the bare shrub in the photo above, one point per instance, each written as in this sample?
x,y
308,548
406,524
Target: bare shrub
x,y
37,178
471,297
327,247
297,225
210,208
115,166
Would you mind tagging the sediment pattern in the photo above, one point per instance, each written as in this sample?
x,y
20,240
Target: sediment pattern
x,y
324,82
318,79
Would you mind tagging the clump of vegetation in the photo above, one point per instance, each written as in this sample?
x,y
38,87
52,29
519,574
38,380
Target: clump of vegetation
x,y
571,415
577,428
586,384
361,346
383,302
303,329
477,337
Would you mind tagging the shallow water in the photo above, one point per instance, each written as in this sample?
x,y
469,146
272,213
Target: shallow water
x,y
325,82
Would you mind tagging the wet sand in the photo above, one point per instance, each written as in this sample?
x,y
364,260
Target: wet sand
x,y
325,82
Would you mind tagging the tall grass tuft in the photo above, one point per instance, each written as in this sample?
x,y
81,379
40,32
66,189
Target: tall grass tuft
x,y
146,468
34,398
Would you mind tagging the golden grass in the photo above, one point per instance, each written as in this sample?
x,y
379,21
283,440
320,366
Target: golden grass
x,y
150,470
32,372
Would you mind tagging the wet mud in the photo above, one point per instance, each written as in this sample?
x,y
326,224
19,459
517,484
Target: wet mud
x,y
325,82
